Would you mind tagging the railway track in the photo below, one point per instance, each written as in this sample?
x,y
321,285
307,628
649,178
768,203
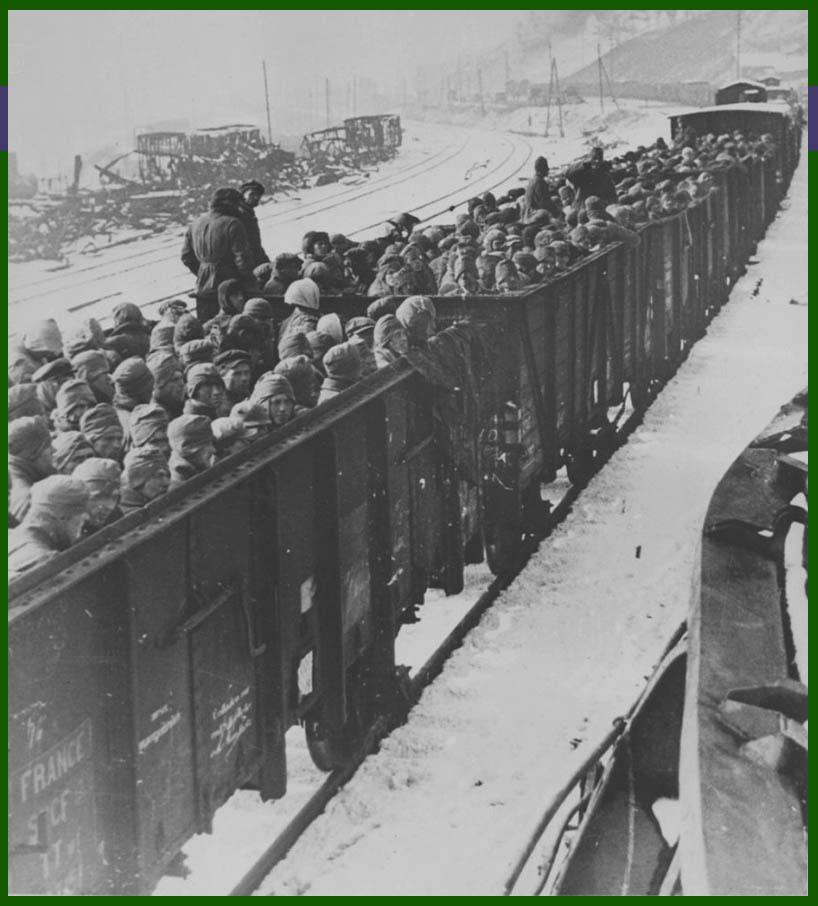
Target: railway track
x,y
96,293
269,215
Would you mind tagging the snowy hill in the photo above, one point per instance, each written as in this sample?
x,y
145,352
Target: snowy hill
x,y
704,48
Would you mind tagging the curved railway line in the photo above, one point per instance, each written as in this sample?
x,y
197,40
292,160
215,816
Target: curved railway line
x,y
99,286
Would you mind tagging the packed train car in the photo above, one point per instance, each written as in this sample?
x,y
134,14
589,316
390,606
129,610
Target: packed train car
x,y
155,667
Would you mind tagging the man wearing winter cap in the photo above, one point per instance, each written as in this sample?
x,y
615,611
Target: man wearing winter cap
x,y
205,391
52,524
235,370
130,335
538,194
103,430
23,401
343,368
92,367
149,426
49,378
40,344
145,477
251,194
401,225
72,400
275,393
216,248
192,448
254,419
195,352
417,314
30,460
286,270
304,379
133,384
69,449
259,309
304,297
101,478
390,341
168,382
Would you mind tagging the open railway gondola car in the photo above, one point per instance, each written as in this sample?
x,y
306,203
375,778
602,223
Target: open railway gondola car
x,y
155,668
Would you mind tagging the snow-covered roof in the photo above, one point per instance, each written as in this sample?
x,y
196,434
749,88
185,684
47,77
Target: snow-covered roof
x,y
750,82
745,106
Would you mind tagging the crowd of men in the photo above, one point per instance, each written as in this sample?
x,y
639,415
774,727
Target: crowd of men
x,y
102,423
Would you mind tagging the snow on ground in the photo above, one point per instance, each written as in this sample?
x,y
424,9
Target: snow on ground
x,y
616,125
447,804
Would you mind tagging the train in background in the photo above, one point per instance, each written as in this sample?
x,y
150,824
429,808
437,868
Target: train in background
x,y
156,667
359,140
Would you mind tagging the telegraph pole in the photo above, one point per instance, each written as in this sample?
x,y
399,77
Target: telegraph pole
x,y
480,89
599,66
326,100
267,103
738,44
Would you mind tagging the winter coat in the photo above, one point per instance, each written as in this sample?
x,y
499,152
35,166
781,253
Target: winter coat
x,y
216,328
216,248
249,221
538,198
588,181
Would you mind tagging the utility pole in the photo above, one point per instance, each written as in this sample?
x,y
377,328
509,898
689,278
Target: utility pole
x,y
354,95
480,89
554,91
508,71
267,103
326,100
599,66
738,44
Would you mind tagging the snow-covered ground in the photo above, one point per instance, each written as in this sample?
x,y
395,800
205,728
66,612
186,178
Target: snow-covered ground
x,y
448,802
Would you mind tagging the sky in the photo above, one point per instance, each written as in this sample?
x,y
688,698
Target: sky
x,y
82,78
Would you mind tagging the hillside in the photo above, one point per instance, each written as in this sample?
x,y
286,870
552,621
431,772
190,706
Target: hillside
x,y
704,48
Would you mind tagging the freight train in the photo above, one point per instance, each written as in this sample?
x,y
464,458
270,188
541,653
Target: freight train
x,y
155,667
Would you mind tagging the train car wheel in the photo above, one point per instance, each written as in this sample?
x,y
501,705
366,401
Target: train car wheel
x,y
580,467
473,550
501,542
536,511
333,748
324,745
